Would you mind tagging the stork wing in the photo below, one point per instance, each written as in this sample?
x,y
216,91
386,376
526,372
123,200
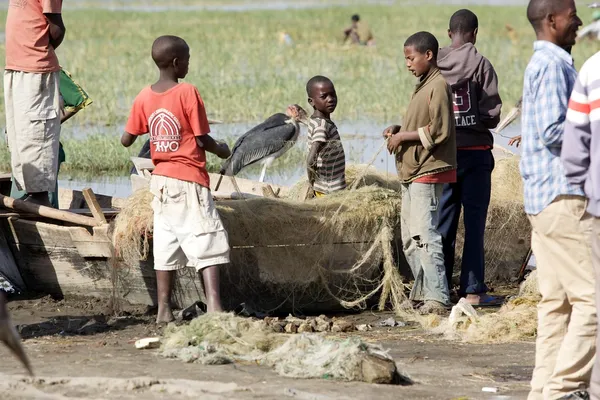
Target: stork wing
x,y
271,122
258,144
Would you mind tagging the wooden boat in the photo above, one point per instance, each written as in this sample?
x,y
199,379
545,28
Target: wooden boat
x,y
66,259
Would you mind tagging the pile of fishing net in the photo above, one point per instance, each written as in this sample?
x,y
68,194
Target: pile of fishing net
x,y
322,254
516,320
289,255
225,338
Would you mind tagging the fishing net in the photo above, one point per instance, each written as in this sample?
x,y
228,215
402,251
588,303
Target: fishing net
x,y
507,231
323,254
220,338
516,320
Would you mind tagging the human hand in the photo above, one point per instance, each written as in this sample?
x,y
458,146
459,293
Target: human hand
x,y
224,151
391,130
394,142
515,141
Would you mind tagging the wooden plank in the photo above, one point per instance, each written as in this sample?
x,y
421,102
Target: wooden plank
x,y
268,192
96,244
8,266
245,185
47,212
73,199
93,205
108,212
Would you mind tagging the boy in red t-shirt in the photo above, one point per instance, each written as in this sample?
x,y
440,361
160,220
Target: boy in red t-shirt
x,y
187,228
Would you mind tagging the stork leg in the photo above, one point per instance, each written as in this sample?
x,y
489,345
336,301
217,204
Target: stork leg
x,y
263,173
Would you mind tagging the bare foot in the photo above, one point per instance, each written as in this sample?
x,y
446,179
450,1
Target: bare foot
x,y
11,339
165,315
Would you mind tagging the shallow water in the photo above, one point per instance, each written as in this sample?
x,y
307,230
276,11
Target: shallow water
x,y
362,144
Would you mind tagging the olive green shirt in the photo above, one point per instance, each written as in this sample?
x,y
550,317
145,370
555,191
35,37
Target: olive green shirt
x,y
431,113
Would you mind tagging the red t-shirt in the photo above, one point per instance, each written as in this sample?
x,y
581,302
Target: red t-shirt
x,y
28,46
440,177
173,119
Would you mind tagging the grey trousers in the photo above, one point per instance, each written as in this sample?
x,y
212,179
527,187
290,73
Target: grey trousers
x,y
422,243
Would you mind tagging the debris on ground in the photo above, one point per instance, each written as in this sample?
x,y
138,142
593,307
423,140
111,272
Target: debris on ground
x,y
221,338
390,322
148,343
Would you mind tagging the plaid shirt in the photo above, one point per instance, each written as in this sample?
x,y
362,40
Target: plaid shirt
x,y
549,80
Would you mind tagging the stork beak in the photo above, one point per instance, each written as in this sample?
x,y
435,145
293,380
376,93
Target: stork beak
x,y
214,122
512,115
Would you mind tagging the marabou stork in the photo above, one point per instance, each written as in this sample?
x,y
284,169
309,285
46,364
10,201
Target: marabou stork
x,y
266,141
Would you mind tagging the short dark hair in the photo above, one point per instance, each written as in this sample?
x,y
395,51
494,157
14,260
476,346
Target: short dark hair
x,y
315,80
423,41
538,10
463,21
166,48
355,17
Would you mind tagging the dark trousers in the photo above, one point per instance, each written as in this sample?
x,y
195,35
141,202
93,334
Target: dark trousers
x,y
471,191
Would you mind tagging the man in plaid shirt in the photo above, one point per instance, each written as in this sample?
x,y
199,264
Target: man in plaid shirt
x,y
561,227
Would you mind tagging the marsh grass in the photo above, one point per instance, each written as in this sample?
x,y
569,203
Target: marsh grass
x,y
244,74
101,155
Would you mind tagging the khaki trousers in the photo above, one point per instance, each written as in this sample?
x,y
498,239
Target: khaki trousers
x,y
33,128
595,382
565,346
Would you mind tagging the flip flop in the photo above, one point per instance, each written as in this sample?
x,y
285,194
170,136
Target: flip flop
x,y
489,301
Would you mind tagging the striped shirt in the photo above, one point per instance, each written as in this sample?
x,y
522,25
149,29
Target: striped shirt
x,y
549,80
331,160
581,148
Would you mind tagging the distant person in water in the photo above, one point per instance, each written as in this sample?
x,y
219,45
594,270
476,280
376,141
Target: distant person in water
x,y
359,32
72,100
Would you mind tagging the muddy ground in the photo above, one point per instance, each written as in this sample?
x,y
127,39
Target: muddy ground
x,y
79,350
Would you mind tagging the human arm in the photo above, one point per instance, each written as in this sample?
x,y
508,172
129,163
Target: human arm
x,y
220,149
550,105
311,162
490,103
67,115
575,153
137,123
398,138
127,139
56,29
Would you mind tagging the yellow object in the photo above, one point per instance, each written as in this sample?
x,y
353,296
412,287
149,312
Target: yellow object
x,y
319,194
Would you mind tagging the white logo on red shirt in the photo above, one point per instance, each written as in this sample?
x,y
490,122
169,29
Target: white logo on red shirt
x,y
165,131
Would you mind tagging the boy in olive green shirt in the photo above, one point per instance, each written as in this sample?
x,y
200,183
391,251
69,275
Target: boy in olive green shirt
x,y
425,149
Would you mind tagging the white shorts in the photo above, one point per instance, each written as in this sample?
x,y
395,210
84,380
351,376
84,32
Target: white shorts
x,y
187,228
33,128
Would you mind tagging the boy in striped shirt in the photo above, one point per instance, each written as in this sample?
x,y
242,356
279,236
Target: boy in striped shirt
x,y
581,160
326,158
